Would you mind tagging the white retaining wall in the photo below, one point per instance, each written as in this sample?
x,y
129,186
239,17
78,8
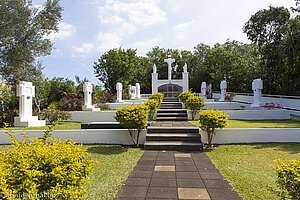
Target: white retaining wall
x,y
255,135
86,117
84,136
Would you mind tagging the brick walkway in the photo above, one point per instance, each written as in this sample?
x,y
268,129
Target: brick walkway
x,y
175,175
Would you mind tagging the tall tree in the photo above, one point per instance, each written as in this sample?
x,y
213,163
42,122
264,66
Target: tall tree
x,y
23,29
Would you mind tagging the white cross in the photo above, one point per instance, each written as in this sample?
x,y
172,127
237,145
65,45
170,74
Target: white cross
x,y
169,61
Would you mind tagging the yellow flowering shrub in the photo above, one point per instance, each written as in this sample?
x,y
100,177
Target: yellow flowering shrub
x,y
210,120
158,96
152,105
134,118
195,104
53,170
288,179
185,95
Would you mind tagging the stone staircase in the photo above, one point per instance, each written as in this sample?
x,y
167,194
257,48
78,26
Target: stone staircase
x,y
172,131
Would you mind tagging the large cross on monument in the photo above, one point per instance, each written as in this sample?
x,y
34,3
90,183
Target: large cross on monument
x,y
169,61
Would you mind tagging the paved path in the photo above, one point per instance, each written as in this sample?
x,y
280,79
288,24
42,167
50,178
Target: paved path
x,y
175,175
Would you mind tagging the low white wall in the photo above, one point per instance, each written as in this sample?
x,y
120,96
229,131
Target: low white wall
x,y
84,136
252,114
255,135
115,106
222,105
86,117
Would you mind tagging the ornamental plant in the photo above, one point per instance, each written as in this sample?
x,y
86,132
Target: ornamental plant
x,y
152,105
195,104
53,115
210,120
70,104
288,179
185,95
229,96
134,118
34,166
158,96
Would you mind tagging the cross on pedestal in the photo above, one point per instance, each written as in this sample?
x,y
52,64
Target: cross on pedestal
x,y
169,61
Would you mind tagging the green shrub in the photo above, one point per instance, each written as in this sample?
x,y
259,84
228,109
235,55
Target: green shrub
x,y
152,105
53,115
195,104
134,118
35,167
53,105
70,104
185,95
288,179
158,96
210,120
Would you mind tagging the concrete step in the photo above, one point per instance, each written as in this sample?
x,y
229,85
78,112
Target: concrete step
x,y
183,137
171,118
171,103
174,145
172,130
170,99
171,114
170,107
171,111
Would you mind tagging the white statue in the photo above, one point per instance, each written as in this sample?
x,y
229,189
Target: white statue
x,y
137,91
257,86
169,61
131,91
25,92
154,68
185,67
223,86
119,89
88,90
203,90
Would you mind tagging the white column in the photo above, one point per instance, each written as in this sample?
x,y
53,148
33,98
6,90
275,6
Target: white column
x,y
203,90
119,89
137,91
25,92
154,80
257,86
185,77
88,90
223,86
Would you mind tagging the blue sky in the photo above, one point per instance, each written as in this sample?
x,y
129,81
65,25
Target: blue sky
x,y
91,27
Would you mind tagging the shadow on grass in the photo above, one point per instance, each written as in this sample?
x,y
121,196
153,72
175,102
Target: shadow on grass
x,y
292,148
107,149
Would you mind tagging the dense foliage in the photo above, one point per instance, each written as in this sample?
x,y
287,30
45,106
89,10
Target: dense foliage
x,y
157,96
57,168
134,118
288,179
195,104
185,95
53,115
210,120
152,105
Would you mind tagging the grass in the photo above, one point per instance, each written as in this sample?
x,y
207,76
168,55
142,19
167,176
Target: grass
x,y
260,123
61,126
248,167
115,164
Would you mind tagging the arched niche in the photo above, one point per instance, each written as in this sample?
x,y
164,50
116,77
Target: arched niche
x,y
170,90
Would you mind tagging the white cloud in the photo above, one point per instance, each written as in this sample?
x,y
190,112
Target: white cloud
x,y
108,41
182,30
84,48
65,30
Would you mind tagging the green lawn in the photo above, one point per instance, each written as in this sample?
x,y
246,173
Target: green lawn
x,y
115,164
248,167
260,123
61,126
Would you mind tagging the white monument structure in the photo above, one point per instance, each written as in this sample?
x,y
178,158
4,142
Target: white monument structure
x,y
257,86
137,91
25,92
88,90
203,90
119,88
223,86
131,92
170,87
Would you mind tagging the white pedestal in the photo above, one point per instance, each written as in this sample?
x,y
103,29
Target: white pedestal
x,y
89,108
28,121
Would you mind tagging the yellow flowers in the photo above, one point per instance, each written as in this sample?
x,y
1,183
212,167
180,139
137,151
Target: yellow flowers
x,y
157,96
195,104
185,95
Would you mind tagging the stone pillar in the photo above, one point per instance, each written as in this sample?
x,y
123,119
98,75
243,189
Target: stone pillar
x,y
137,91
131,91
223,86
25,92
154,80
257,86
203,90
185,77
119,89
88,90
